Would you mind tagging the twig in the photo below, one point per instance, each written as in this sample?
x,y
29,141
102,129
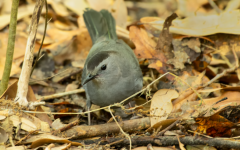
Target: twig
x,y
200,134
50,146
116,142
215,7
68,126
109,108
172,140
21,97
25,137
210,108
103,129
61,94
168,128
11,140
44,34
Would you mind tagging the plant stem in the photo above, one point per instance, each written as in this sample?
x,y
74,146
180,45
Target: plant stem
x,y
10,46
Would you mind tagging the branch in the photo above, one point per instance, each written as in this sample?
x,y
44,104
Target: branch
x,y
226,143
103,129
22,90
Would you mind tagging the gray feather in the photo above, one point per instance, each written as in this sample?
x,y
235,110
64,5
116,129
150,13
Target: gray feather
x,y
100,24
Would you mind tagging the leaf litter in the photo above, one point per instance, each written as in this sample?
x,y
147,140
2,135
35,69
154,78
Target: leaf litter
x,y
194,47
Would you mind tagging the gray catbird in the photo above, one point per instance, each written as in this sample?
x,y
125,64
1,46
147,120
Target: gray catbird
x,y
111,72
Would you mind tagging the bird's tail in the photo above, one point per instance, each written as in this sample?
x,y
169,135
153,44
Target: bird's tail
x,y
100,24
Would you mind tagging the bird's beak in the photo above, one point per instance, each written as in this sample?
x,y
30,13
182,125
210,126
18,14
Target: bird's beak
x,y
89,78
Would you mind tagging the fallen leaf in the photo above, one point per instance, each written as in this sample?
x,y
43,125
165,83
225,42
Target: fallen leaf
x,y
16,148
99,5
42,139
215,126
76,6
161,105
226,22
5,19
59,8
4,136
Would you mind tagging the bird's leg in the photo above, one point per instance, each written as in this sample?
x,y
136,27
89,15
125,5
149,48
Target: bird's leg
x,y
89,116
129,105
88,109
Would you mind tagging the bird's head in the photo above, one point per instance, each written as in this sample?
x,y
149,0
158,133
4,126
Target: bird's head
x,y
102,67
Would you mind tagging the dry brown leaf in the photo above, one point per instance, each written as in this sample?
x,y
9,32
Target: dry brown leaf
x,y
161,105
206,106
232,5
145,48
47,39
232,100
216,61
59,8
117,8
119,12
63,147
238,73
27,125
186,93
2,117
209,90
6,7
5,19
64,26
4,136
71,87
15,68
77,6
42,139
69,45
11,94
184,103
20,45
99,5
57,124
11,90
226,22
16,148
194,81
215,126
60,35
191,8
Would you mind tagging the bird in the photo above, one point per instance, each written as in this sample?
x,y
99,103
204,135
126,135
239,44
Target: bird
x,y
111,71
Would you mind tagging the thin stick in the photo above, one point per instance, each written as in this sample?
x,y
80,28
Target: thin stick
x,y
61,94
44,34
130,142
168,128
21,97
25,137
215,7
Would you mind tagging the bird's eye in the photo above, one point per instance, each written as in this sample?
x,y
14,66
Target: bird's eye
x,y
104,67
